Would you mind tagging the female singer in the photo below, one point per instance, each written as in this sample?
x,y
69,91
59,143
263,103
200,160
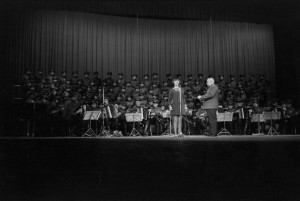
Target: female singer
x,y
177,106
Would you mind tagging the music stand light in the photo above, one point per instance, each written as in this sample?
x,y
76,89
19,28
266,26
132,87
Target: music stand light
x,y
134,117
272,116
224,117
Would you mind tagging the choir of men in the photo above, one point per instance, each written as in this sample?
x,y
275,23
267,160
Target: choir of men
x,y
62,101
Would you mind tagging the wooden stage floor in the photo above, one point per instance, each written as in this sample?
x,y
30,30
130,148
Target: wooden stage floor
x,y
150,168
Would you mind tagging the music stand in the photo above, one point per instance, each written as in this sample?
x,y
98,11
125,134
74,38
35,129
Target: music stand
x,y
258,117
224,117
168,132
134,117
89,116
272,116
103,131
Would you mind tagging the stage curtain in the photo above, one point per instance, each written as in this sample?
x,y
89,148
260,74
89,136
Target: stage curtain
x,y
91,42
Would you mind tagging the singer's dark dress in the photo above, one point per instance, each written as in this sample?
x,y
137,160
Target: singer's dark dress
x,y
174,101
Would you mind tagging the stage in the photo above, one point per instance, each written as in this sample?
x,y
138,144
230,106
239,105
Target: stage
x,y
150,168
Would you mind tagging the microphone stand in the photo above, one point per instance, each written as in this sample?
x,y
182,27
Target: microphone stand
x,y
103,132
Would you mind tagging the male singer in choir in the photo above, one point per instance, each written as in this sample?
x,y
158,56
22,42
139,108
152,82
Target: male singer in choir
x,y
211,104
177,106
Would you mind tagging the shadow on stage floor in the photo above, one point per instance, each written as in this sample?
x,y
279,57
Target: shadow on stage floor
x,y
150,168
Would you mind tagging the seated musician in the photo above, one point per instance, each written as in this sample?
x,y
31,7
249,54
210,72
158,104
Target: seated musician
x,y
144,102
164,101
289,116
200,119
91,106
257,110
55,114
113,115
130,108
165,117
129,102
155,117
122,124
275,107
233,123
190,105
70,115
137,108
239,114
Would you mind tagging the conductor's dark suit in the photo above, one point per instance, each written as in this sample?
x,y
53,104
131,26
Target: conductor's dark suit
x,y
211,104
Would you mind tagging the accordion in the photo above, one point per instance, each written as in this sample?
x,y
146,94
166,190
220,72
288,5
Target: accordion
x,y
241,113
145,113
112,111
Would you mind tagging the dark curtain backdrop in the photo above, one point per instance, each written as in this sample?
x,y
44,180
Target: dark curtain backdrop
x,y
93,42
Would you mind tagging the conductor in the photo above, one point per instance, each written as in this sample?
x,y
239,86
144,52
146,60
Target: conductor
x,y
211,104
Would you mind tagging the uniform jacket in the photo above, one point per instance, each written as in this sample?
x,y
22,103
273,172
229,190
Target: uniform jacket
x,y
211,97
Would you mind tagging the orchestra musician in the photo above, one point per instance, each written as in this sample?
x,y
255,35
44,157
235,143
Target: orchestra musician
x,y
70,114
211,104
256,109
155,112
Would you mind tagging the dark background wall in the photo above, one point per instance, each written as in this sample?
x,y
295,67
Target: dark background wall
x,y
282,15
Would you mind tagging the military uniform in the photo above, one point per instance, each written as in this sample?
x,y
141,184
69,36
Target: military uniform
x,y
129,103
109,80
147,81
86,81
221,83
190,81
50,76
170,80
136,93
156,90
63,78
165,86
143,88
185,86
39,76
121,81
201,80
134,82
96,80
128,89
116,88
155,79
74,79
